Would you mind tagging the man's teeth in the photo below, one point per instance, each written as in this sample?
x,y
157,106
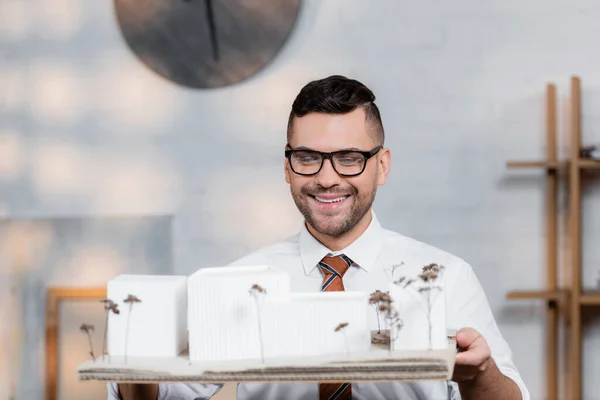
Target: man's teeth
x,y
322,200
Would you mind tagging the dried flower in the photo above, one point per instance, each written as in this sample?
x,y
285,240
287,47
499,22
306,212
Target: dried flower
x,y
132,299
430,272
110,305
341,326
258,289
378,296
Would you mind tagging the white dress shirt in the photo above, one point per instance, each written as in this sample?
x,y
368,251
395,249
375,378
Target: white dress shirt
x,y
373,254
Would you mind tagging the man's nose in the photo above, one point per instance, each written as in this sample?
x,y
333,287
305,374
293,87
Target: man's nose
x,y
327,177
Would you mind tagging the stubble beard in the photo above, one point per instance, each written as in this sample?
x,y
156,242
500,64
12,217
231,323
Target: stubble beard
x,y
361,203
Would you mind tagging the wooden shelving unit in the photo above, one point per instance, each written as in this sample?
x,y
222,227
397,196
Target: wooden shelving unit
x,y
562,304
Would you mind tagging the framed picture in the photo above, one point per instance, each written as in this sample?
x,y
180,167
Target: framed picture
x,y
74,256
67,308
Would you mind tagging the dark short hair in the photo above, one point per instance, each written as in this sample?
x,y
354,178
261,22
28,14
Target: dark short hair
x,y
337,94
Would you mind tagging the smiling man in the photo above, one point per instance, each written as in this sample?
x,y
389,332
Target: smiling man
x,y
335,160
335,196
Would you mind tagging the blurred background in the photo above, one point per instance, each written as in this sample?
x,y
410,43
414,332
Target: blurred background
x,y
132,142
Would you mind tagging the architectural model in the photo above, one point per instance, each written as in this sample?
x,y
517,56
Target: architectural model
x,y
245,324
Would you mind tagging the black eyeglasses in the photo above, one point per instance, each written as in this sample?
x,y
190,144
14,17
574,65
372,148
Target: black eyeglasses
x,y
344,162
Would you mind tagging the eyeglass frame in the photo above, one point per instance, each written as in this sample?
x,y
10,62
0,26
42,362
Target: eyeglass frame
x,y
324,155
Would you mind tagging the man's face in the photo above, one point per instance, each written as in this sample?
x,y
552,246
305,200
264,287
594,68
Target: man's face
x,y
333,204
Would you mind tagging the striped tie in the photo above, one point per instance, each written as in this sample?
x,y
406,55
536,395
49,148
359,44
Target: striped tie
x,y
333,269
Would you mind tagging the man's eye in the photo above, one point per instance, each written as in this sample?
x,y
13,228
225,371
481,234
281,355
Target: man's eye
x,y
307,158
349,160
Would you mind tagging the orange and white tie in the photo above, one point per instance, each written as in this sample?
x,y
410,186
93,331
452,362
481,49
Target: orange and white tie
x,y
333,269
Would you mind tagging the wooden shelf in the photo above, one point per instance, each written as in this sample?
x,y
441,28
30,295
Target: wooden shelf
x,y
587,298
583,163
590,298
589,164
537,294
538,164
565,305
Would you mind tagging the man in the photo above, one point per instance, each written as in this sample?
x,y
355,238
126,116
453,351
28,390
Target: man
x,y
335,160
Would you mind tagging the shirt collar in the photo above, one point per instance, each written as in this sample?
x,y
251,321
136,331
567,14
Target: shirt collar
x,y
363,251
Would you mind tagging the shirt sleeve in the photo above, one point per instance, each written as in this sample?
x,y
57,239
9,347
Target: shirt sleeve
x,y
174,391
469,308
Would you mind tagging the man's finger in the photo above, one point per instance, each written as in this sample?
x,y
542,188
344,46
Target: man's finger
x,y
466,337
473,357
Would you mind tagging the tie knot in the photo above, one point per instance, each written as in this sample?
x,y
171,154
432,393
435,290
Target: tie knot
x,y
335,265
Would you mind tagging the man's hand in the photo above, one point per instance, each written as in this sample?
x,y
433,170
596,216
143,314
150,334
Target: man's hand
x,y
476,372
128,391
474,355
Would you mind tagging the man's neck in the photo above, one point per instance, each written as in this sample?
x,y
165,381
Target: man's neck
x,y
337,243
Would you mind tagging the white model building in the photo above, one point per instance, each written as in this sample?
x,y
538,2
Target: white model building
x,y
306,324
157,325
223,317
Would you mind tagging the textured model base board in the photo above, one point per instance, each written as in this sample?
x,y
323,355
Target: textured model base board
x,y
375,365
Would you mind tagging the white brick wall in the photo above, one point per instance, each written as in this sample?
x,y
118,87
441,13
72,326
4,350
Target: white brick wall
x,y
460,85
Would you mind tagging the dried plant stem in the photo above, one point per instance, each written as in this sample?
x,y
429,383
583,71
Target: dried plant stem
x,y
392,340
429,315
378,318
88,329
104,349
89,335
127,331
262,352
109,306
395,324
256,291
131,299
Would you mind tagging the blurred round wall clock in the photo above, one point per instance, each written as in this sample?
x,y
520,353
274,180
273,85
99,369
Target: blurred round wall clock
x,y
206,43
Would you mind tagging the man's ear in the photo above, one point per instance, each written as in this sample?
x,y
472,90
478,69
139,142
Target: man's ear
x,y
384,164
